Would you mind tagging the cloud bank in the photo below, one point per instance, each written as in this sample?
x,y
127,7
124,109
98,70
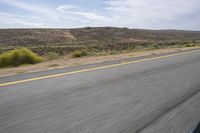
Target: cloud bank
x,y
150,14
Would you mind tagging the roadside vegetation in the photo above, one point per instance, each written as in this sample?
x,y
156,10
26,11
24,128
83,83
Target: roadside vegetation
x,y
79,53
51,56
19,57
50,44
131,47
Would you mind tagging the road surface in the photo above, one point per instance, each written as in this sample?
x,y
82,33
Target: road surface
x,y
159,95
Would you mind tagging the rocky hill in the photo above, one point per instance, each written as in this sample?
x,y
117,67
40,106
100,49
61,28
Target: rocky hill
x,y
66,40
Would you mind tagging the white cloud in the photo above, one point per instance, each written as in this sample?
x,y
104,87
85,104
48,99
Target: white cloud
x,y
155,9
90,16
150,13
80,13
156,14
64,8
41,16
28,6
8,20
16,21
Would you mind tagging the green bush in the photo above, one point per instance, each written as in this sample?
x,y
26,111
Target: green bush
x,y
155,46
18,57
51,55
187,45
79,53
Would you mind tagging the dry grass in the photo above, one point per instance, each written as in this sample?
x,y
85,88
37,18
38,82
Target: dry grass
x,y
67,61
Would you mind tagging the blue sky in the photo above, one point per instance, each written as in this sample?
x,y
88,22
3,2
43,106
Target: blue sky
x,y
146,14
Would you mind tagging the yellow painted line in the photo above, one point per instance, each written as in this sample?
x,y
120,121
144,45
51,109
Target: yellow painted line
x,y
92,69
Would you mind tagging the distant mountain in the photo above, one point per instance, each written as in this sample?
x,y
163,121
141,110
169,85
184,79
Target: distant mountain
x,y
64,41
33,37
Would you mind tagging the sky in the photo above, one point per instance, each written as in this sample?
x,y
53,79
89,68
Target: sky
x,y
141,14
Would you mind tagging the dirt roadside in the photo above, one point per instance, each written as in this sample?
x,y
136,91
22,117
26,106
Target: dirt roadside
x,y
67,61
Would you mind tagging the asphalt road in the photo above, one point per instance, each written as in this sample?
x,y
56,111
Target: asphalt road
x,y
153,96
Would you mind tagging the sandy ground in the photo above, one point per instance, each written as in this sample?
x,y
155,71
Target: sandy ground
x,y
67,61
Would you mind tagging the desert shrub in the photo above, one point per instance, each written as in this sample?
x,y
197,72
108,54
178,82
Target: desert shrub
x,y
79,53
113,52
51,55
193,41
155,46
18,57
187,45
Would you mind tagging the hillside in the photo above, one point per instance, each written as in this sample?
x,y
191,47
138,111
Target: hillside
x,y
102,38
